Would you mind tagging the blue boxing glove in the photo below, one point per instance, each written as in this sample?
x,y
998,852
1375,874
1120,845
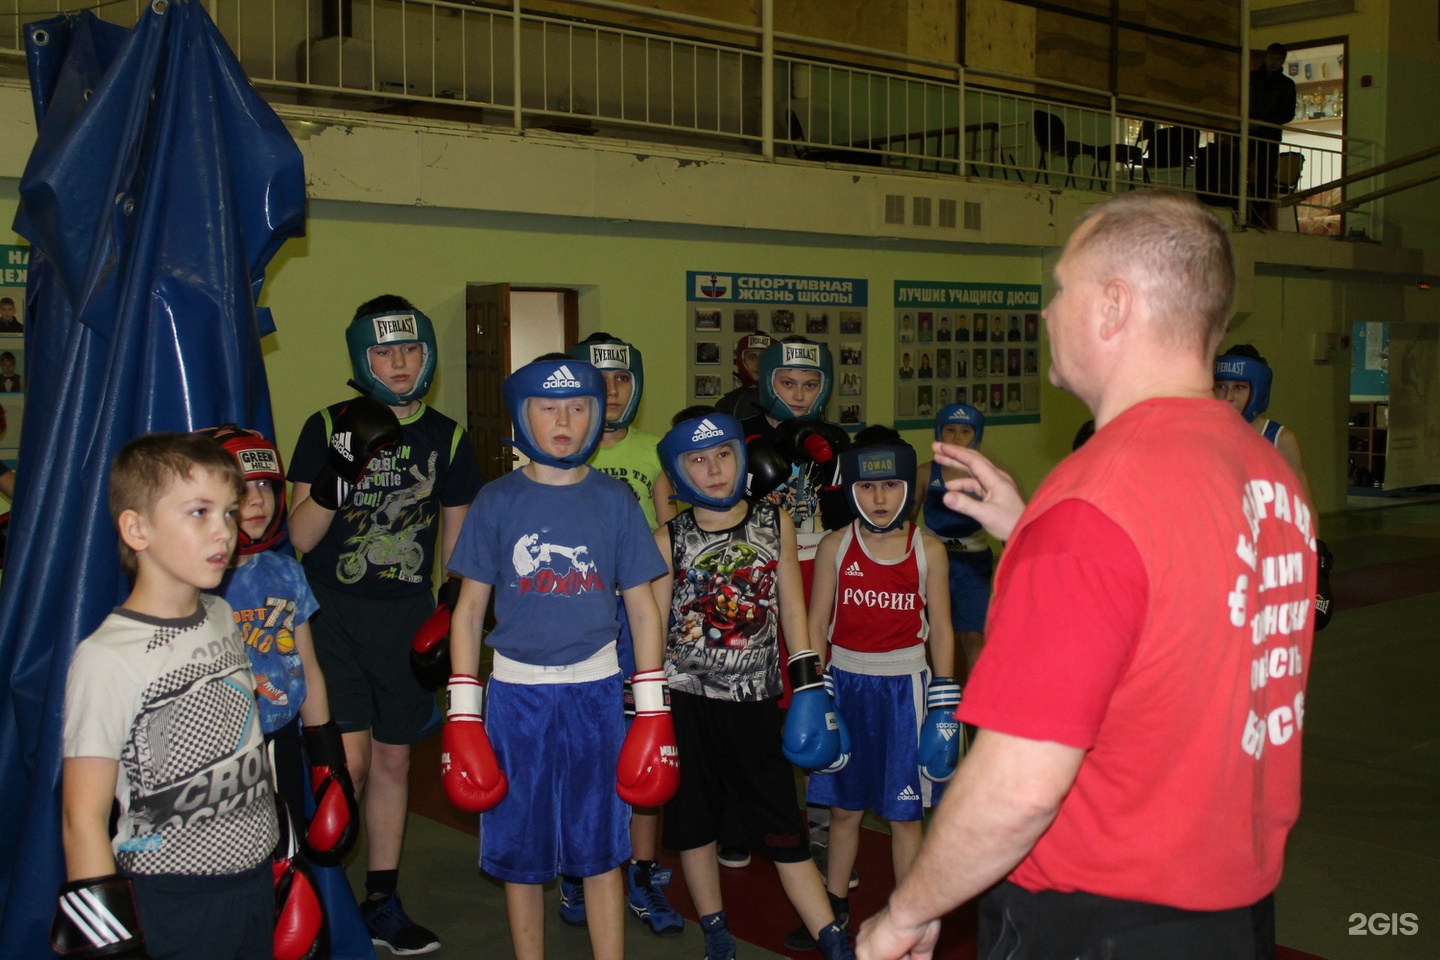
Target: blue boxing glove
x,y
811,740
940,735
844,756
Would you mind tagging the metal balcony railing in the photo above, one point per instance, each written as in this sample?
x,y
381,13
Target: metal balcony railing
x,y
648,74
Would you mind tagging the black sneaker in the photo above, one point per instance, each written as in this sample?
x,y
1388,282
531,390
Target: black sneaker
x,y
389,926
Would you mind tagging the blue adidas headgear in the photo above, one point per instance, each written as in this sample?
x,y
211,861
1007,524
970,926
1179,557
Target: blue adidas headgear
x,y
703,433
383,329
961,413
879,461
558,379
1247,370
608,353
794,355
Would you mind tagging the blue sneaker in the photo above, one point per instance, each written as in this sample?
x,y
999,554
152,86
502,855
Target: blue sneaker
x,y
719,941
572,900
643,880
390,927
834,943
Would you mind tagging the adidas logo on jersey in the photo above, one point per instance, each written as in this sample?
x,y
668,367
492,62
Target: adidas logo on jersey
x,y
854,569
341,444
908,793
560,378
706,431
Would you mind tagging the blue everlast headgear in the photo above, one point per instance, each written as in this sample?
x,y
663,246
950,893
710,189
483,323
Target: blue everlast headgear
x,y
1246,370
692,436
559,380
605,352
384,329
879,462
961,413
794,355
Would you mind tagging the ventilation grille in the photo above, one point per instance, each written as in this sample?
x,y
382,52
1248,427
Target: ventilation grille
x,y
921,207
947,214
972,215
894,208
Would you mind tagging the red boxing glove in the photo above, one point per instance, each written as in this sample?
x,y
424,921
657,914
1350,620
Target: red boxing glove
x,y
648,773
430,648
301,932
336,823
469,771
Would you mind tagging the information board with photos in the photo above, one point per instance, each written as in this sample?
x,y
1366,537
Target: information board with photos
x,y
722,308
969,343
14,377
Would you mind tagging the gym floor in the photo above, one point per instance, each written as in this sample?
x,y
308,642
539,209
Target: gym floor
x,y
1367,843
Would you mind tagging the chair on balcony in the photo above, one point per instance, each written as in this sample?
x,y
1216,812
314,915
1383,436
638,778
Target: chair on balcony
x,y
1050,138
825,153
1168,148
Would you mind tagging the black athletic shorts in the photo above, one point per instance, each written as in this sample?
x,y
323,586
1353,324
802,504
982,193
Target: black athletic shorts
x,y
202,917
730,756
1019,925
363,646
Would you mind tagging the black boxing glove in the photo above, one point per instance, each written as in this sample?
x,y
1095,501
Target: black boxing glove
x,y
768,470
811,441
360,430
1324,596
97,918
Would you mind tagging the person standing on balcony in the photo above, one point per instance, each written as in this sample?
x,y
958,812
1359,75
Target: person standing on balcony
x,y
1272,104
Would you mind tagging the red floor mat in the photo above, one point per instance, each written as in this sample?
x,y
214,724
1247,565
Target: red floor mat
x,y
759,912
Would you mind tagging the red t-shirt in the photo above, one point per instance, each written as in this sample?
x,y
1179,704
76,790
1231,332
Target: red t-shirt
x,y
1153,608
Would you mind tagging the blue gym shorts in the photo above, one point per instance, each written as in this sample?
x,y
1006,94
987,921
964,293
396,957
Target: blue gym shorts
x,y
970,589
558,744
883,715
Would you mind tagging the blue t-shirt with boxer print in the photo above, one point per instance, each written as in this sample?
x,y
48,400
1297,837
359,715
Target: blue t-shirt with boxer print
x,y
555,555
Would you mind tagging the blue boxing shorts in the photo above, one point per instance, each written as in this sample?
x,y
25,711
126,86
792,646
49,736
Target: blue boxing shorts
x,y
970,574
882,707
558,744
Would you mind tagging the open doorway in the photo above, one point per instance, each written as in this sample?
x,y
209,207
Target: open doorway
x,y
508,327
1317,133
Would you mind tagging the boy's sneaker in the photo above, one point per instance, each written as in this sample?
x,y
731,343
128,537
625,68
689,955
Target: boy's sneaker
x,y
389,926
572,900
834,944
719,941
643,880
800,939
733,857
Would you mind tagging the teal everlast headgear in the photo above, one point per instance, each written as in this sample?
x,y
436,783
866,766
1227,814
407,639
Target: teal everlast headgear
x,y
794,354
607,353
560,380
384,329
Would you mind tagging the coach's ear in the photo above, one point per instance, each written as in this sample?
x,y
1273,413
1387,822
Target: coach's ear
x,y
1117,299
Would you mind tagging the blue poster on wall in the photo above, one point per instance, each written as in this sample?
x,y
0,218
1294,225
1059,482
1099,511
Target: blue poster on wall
x,y
727,312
